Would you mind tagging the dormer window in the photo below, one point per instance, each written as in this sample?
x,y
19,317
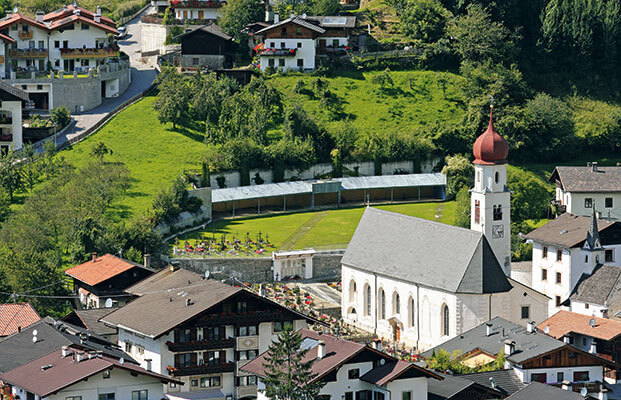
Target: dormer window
x,y
588,202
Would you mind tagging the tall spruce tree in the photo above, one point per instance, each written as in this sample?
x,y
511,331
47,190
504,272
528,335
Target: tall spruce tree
x,y
288,376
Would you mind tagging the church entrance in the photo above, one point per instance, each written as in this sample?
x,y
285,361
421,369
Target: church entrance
x,y
396,326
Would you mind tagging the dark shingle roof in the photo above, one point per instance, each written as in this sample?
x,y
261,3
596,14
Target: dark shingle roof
x,y
505,381
447,388
211,28
90,320
568,230
598,287
536,390
584,179
428,253
527,345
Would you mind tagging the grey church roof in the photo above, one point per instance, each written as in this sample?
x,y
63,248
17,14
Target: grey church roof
x,y
585,179
527,345
425,252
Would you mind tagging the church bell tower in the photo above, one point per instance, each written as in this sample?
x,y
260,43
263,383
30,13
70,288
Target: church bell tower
x,y
490,208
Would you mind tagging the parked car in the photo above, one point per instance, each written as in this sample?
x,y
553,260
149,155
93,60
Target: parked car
x,y
122,32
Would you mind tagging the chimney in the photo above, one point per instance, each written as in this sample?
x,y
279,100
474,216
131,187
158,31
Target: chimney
x,y
276,18
292,15
79,356
64,351
147,260
321,349
76,11
593,348
530,327
98,11
97,17
40,16
594,166
188,302
94,256
488,329
509,347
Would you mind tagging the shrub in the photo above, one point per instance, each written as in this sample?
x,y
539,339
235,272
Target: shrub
x,y
61,116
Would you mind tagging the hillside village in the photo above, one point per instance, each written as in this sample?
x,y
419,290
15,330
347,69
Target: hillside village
x,y
310,199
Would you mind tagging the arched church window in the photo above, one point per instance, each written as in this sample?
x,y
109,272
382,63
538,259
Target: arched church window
x,y
445,320
396,301
352,291
411,313
367,300
382,304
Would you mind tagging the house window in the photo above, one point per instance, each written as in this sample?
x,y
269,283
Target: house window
x,y
140,395
352,291
541,378
586,258
525,312
65,44
247,330
477,211
212,381
382,305
283,31
194,60
56,44
299,45
13,27
608,202
31,44
353,373
300,62
586,306
545,252
581,376
609,255
298,31
85,27
367,298
106,396
544,274
560,377
558,278
242,307
335,43
349,395
246,380
558,301
378,396
445,320
406,395
559,255
497,212
183,360
281,62
41,44
246,355
271,62
68,398
272,44
364,395
282,45
213,357
128,347
588,202
496,177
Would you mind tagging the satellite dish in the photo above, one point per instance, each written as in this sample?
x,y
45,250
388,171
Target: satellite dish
x,y
207,274
546,330
121,360
592,322
34,332
583,392
108,303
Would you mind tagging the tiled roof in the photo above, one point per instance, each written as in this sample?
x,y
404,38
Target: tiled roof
x,y
57,20
536,390
19,18
211,28
568,230
53,372
425,252
100,270
564,322
584,179
601,287
14,317
69,10
59,23
505,381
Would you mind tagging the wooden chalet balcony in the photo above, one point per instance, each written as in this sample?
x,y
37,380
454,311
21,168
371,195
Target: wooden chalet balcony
x,y
201,345
249,318
201,369
25,34
28,53
278,52
93,53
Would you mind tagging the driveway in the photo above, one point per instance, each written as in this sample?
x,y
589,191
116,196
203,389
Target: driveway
x,y
142,77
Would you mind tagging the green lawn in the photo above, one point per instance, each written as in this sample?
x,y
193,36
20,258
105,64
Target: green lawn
x,y
154,153
415,100
320,229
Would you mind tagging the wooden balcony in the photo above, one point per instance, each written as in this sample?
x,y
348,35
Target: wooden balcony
x,y
90,53
278,53
28,53
249,318
201,345
201,369
25,34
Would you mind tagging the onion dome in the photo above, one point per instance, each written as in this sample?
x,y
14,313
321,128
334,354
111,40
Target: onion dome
x,y
490,148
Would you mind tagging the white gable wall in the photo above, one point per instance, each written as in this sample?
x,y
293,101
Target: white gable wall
x,y
596,373
575,203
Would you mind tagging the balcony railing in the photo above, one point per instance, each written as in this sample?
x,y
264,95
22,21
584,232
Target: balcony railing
x,y
201,369
95,53
28,53
6,120
278,52
201,345
25,34
6,138
249,318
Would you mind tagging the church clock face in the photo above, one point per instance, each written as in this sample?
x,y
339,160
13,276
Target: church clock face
x,y
498,231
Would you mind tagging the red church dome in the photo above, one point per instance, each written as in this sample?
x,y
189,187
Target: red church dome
x,y
490,147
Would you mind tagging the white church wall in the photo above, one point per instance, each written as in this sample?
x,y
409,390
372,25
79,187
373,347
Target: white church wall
x,y
509,305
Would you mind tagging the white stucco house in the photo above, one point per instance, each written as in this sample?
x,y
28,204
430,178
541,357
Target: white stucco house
x,y
355,371
580,189
199,331
12,102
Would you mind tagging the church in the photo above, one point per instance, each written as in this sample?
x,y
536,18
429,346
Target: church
x,y
420,282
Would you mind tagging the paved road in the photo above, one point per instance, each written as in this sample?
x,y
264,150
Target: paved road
x,y
142,77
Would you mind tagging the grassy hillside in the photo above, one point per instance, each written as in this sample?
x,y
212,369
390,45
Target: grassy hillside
x,y
114,9
416,99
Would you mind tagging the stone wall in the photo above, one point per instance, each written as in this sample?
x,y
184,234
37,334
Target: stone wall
x,y
204,60
325,266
